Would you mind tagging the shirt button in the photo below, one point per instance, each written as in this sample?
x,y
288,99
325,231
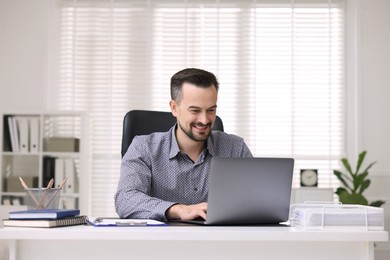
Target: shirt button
x,y
195,189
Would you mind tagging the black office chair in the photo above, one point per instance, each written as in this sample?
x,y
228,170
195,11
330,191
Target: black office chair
x,y
144,122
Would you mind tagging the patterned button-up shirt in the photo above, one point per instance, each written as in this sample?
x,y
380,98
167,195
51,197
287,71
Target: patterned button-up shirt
x,y
155,174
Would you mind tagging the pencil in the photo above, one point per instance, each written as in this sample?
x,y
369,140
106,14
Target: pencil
x,y
55,193
28,191
43,198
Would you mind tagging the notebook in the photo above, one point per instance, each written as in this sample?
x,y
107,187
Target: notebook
x,y
248,191
46,223
44,213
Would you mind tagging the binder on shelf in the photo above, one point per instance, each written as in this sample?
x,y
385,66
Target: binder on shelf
x,y
22,123
48,169
17,134
12,134
7,146
59,174
70,174
34,134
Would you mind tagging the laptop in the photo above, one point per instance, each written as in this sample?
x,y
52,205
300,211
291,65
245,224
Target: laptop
x,y
248,191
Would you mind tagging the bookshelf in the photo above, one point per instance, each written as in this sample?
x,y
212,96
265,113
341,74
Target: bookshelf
x,y
39,146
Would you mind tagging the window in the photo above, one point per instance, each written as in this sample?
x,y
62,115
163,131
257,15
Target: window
x,y
280,65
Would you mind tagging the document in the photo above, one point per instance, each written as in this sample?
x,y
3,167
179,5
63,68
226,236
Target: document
x,y
336,216
119,222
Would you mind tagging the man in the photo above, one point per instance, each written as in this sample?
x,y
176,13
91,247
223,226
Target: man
x,y
165,175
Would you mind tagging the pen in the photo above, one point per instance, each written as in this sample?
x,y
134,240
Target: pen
x,y
131,223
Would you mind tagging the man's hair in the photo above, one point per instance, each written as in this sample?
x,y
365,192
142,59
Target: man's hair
x,y
198,77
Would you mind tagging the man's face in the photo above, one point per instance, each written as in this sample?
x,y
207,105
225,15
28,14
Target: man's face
x,y
196,111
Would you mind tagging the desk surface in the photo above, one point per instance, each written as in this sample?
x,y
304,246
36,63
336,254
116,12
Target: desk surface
x,y
188,233
175,242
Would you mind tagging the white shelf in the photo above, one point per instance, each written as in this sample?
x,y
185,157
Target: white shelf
x,y
31,163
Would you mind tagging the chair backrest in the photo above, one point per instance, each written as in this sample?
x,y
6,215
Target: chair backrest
x,y
144,122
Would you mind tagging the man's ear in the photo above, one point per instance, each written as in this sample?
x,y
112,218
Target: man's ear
x,y
174,107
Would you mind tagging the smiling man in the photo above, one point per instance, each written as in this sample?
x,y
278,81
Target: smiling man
x,y
165,175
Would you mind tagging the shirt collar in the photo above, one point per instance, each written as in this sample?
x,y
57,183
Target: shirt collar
x,y
174,150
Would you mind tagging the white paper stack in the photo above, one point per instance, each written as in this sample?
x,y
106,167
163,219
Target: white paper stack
x,y
336,217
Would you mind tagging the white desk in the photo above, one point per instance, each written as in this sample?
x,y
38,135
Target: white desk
x,y
188,242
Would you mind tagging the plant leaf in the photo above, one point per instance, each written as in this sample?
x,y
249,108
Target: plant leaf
x,y
362,155
369,166
377,203
341,177
358,181
340,190
362,176
364,186
347,166
347,198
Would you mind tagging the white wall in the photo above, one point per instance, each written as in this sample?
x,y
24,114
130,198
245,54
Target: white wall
x,y
375,105
23,55
24,74
376,82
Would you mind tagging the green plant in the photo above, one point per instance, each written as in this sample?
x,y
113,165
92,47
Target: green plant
x,y
355,183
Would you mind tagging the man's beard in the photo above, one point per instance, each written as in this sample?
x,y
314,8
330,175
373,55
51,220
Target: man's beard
x,y
192,136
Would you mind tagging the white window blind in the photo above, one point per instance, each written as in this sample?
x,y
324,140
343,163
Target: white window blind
x,y
280,65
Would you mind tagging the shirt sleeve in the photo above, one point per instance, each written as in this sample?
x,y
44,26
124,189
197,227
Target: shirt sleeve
x,y
132,199
245,152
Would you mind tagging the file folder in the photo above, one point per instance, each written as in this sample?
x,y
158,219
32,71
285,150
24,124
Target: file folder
x,y
70,174
22,123
34,134
59,174
13,131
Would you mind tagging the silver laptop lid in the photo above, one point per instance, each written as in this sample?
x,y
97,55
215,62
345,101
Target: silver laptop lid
x,y
249,190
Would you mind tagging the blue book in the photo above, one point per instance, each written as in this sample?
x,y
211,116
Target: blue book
x,y
44,213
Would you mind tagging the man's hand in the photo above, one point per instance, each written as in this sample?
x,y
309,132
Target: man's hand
x,y
187,212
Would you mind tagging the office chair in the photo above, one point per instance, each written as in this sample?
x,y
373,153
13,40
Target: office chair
x,y
144,122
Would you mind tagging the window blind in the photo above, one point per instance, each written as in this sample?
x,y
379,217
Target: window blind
x,y
280,65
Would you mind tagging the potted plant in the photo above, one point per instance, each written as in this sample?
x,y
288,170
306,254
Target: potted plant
x,y
355,183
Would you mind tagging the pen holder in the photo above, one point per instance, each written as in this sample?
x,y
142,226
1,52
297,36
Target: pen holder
x,y
43,198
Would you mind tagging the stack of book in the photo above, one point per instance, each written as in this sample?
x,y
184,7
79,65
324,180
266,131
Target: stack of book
x,y
45,218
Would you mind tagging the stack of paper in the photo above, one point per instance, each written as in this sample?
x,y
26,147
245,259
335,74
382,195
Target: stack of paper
x,y
336,216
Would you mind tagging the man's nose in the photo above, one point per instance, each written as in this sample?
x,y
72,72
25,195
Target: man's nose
x,y
204,118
